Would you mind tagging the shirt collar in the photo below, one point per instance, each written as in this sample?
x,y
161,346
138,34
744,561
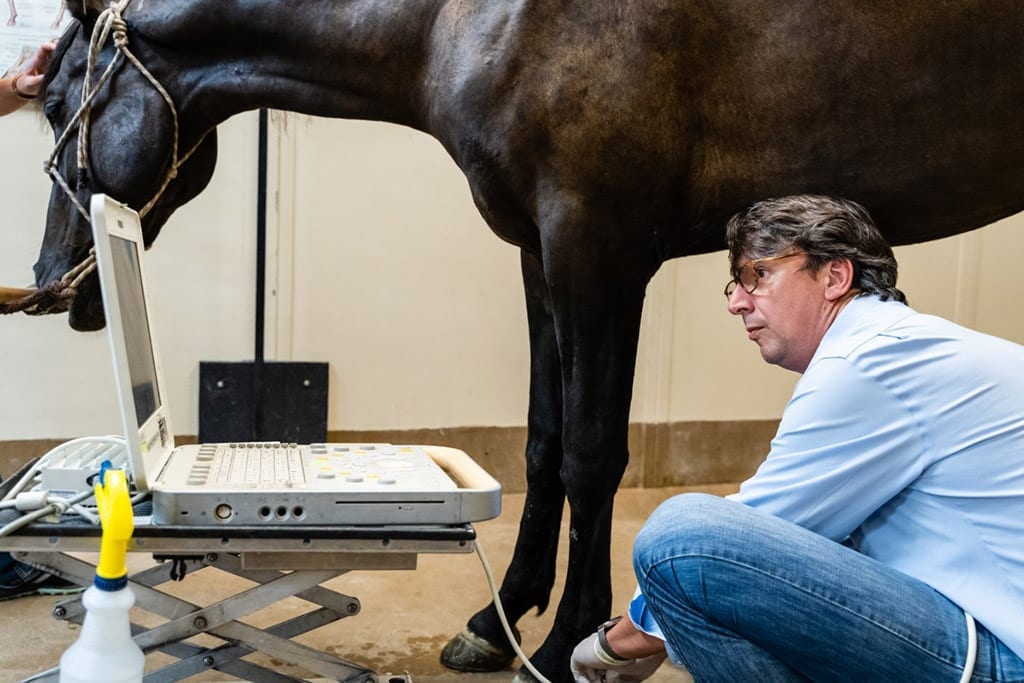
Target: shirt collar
x,y
861,319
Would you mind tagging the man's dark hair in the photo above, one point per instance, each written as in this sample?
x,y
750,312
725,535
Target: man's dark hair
x,y
826,229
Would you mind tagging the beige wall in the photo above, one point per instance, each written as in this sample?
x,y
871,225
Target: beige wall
x,y
381,266
55,383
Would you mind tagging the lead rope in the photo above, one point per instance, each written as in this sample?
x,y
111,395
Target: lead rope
x,y
109,22
62,290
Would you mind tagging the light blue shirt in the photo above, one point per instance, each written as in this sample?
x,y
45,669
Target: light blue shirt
x,y
906,435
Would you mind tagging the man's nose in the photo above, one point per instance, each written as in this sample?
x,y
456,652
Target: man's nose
x,y
739,301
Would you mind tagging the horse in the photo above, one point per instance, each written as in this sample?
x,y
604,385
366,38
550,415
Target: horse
x,y
600,138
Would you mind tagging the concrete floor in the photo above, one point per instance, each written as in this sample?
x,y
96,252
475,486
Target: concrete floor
x,y
406,618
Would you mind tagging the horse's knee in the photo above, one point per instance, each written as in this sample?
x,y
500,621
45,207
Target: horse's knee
x,y
543,457
590,479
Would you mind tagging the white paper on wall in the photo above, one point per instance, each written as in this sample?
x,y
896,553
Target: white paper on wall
x,y
24,26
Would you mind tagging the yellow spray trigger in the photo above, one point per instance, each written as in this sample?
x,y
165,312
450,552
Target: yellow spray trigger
x,y
118,521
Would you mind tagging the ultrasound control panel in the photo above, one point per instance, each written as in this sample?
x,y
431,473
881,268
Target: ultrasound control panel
x,y
259,483
387,467
317,466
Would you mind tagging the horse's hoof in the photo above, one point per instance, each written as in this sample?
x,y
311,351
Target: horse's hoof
x,y
524,676
469,652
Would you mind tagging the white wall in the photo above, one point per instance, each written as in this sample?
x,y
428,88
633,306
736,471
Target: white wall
x,y
395,279
56,383
380,265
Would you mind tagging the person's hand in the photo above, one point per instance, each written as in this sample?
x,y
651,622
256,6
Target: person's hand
x,y
31,77
591,664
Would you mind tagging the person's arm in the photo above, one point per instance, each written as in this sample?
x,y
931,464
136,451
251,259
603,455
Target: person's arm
x,y
629,642
617,652
24,86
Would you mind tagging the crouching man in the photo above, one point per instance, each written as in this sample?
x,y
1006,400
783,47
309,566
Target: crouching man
x,y
882,539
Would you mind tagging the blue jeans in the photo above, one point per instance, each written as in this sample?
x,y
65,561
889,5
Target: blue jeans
x,y
745,596
13,573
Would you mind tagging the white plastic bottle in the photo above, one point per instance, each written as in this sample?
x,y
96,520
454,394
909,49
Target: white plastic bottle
x,y
104,651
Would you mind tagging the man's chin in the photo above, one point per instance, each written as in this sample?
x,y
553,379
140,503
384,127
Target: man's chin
x,y
770,354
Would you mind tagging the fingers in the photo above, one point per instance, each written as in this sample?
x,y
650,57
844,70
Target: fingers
x,y
40,61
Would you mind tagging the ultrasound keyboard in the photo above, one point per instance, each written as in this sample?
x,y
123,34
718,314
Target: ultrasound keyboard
x,y
326,483
248,464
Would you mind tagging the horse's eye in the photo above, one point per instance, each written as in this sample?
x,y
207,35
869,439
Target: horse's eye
x,y
53,109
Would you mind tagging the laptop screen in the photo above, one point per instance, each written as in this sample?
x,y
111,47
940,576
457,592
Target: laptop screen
x,y
117,233
137,335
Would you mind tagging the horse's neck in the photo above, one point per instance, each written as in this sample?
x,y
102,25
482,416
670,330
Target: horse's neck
x,y
340,58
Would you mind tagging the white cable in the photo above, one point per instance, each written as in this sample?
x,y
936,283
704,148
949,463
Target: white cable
x,y
25,520
27,479
27,501
56,506
86,513
47,675
504,620
972,649
46,503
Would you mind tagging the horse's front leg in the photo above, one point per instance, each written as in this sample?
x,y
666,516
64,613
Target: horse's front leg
x,y
531,572
597,287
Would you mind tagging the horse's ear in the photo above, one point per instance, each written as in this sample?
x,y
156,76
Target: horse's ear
x,y
84,10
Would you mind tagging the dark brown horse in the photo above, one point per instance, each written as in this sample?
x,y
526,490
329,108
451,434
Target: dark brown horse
x,y
601,138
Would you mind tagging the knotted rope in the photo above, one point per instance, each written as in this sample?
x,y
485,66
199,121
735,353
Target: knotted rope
x,y
110,22
60,292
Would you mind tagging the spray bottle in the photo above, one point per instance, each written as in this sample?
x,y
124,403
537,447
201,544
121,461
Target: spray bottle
x,y
105,651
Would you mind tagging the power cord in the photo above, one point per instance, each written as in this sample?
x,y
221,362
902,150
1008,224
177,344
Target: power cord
x,y
501,615
972,649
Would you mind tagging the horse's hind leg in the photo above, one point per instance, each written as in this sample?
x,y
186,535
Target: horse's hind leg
x,y
531,572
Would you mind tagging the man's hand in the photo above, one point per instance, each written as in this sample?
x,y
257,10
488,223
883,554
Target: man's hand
x,y
592,664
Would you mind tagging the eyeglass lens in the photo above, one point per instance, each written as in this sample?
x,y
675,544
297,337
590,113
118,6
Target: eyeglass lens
x,y
748,277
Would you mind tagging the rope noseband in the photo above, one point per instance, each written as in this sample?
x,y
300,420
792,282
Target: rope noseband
x,y
110,22
59,292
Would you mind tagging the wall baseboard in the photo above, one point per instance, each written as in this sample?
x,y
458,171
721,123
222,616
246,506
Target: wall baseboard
x,y
661,454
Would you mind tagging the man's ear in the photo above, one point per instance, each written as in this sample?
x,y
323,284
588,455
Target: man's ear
x,y
840,278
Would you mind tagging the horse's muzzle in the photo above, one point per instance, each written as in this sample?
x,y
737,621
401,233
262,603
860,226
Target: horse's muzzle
x,y
33,301
81,302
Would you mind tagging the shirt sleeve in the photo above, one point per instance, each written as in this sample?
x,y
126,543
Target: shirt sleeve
x,y
644,621
642,617
845,446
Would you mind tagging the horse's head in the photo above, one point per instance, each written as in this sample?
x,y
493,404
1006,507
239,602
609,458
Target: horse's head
x,y
130,143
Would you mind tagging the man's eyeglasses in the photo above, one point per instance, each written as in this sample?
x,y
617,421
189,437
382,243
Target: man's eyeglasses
x,y
749,276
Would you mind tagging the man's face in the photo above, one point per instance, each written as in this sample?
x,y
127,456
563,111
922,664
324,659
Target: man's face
x,y
789,310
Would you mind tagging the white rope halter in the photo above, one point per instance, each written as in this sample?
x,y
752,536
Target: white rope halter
x,y
109,23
